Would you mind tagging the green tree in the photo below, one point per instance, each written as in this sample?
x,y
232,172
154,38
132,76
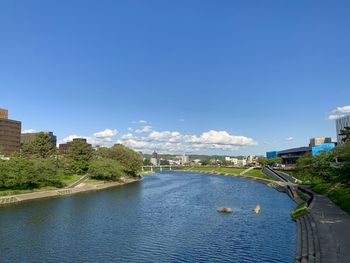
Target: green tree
x,y
345,133
147,161
342,153
263,161
39,147
131,160
24,173
105,169
79,155
317,168
275,160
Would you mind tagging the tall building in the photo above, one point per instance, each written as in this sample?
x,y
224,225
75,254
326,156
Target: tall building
x,y
341,123
10,134
154,158
65,147
319,141
28,137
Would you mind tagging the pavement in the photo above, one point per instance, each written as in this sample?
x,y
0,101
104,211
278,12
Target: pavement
x,y
333,226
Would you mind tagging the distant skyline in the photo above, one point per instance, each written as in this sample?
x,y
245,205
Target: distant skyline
x,y
206,77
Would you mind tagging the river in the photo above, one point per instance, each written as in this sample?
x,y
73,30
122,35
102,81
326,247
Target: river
x,y
166,217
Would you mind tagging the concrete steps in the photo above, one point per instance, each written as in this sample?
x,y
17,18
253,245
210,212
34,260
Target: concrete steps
x,y
7,200
307,241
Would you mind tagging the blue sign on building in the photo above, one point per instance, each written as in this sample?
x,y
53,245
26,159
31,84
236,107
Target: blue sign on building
x,y
270,155
322,147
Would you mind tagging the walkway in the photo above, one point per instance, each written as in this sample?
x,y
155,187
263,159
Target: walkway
x,y
333,226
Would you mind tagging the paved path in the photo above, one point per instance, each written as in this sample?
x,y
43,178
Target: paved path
x,y
333,226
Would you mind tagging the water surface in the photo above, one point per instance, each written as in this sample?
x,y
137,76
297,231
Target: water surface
x,y
167,217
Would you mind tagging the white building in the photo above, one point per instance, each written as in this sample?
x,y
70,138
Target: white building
x,y
341,123
183,158
232,160
155,159
241,162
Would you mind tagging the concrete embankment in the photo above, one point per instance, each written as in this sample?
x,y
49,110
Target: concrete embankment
x,y
64,191
322,234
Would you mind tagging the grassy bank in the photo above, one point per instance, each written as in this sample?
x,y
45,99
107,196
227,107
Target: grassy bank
x,y
229,170
66,180
339,194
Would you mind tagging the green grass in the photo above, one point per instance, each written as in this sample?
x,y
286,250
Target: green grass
x,y
257,172
71,178
66,180
322,188
299,211
229,170
341,197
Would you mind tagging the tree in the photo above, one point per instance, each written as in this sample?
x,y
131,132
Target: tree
x,y
345,134
263,161
343,155
147,162
39,147
24,173
318,167
275,160
131,160
79,154
105,169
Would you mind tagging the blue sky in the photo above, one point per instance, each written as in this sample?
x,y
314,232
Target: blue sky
x,y
227,77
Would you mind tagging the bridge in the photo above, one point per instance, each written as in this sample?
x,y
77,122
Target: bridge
x,y
160,167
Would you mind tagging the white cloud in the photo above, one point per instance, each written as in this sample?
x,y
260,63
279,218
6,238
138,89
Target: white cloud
x,y
130,129
344,109
289,138
338,112
140,121
107,133
175,142
334,116
145,129
29,131
101,138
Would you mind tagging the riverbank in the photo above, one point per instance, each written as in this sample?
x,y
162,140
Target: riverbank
x,y
269,182
80,188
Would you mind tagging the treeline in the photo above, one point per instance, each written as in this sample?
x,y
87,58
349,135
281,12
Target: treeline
x,y
39,164
329,166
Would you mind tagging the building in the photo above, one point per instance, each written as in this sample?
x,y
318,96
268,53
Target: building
x,y
341,123
183,159
232,160
241,162
10,134
315,150
319,141
270,155
154,158
28,137
290,156
65,147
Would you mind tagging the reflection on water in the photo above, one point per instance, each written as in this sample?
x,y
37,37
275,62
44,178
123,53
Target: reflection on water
x,y
167,217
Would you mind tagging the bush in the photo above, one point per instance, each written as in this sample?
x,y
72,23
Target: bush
x,y
341,197
299,211
105,169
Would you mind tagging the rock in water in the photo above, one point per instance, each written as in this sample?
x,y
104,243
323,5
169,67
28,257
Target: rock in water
x,y
225,210
257,209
